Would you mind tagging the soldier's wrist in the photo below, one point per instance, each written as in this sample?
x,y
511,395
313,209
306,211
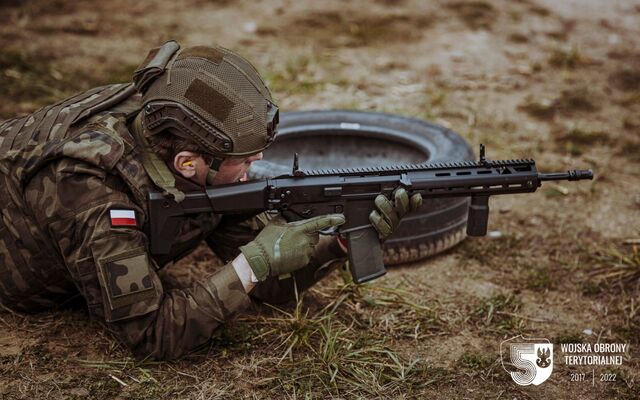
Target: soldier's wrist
x,y
244,272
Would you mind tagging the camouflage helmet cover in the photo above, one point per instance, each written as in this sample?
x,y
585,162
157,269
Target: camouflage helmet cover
x,y
209,95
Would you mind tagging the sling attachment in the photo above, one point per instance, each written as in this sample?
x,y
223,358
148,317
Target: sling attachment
x,y
154,65
154,166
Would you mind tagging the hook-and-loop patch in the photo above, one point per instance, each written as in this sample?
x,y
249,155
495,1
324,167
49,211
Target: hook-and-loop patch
x,y
127,278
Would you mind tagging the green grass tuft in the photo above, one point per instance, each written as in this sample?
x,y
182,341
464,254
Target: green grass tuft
x,y
540,279
475,361
499,314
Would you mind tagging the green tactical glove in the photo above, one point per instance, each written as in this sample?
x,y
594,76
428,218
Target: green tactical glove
x,y
387,218
281,248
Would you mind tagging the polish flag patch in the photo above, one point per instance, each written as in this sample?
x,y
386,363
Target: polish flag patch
x,y
123,218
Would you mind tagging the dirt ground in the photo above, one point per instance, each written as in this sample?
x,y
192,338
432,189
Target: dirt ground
x,y
558,81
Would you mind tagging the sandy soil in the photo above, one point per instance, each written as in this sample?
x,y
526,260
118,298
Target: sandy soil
x,y
550,80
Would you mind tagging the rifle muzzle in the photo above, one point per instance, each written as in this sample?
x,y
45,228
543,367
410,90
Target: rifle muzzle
x,y
572,175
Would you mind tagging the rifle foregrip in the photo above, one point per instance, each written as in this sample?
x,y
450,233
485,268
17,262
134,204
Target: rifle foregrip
x,y
365,255
478,216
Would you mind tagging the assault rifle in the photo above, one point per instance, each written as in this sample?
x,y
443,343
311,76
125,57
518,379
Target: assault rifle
x,y
351,191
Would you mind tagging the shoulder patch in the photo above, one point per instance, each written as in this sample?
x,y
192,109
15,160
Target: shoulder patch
x,y
127,278
120,217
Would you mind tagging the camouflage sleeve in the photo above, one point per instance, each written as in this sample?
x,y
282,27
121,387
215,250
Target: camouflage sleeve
x,y
106,255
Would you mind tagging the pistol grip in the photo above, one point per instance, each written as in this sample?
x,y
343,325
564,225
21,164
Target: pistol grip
x,y
365,255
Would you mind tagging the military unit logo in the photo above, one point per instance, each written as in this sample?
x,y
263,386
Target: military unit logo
x,y
528,361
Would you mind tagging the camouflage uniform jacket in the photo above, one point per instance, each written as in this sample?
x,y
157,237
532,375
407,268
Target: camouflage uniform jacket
x,y
58,239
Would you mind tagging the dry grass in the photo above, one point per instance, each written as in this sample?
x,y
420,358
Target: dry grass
x,y
630,148
577,99
303,73
336,347
353,29
626,79
566,58
499,315
475,14
618,267
31,80
575,141
541,109
569,102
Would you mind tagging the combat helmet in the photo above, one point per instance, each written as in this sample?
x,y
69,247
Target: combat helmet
x,y
209,95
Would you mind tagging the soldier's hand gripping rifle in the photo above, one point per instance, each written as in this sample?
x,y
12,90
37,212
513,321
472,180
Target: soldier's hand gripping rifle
x,y
351,191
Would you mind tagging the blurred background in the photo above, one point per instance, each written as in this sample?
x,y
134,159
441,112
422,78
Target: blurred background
x,y
558,81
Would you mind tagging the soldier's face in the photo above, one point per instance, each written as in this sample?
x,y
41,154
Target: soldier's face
x,y
233,169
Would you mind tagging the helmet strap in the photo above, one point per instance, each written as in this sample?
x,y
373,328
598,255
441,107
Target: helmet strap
x,y
153,165
213,170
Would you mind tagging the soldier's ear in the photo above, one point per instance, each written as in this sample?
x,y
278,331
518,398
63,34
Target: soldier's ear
x,y
185,163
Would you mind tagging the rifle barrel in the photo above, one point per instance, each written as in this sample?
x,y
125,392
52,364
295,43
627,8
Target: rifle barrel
x,y
572,175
